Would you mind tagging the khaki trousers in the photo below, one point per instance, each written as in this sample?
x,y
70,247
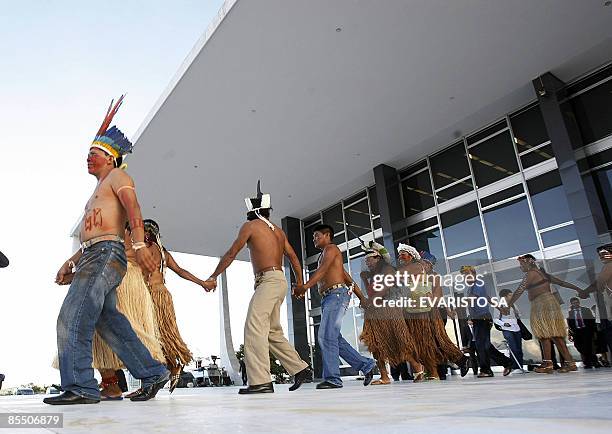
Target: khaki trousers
x,y
263,331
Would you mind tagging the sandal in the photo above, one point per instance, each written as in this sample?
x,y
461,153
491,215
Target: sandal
x,y
380,382
568,367
546,367
419,377
175,378
104,385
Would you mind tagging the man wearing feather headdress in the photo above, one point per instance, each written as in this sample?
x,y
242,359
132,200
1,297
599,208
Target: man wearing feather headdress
x,y
95,271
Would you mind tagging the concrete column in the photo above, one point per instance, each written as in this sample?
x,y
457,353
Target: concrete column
x,y
296,310
388,193
227,351
584,205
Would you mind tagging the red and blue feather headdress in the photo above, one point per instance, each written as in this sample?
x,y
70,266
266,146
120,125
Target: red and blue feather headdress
x,y
112,140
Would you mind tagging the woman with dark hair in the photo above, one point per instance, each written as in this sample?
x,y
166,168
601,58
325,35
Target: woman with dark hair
x,y
384,330
175,349
547,319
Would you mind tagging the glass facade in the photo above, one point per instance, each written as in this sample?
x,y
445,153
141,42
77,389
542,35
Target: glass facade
x,y
485,199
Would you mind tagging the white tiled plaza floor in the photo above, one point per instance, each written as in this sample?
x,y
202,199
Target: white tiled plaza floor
x,y
571,403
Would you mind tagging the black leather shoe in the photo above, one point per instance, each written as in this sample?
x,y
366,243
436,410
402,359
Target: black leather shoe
x,y
367,378
69,398
464,365
259,388
151,390
304,376
328,385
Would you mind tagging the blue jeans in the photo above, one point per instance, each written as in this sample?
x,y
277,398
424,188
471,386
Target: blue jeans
x,y
332,344
514,340
91,304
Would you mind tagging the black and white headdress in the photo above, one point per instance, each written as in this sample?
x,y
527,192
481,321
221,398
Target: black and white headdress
x,y
256,204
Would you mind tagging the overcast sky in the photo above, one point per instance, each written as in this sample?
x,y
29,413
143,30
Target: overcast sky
x,y
62,62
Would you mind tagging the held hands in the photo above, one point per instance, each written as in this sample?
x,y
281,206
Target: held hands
x,y
583,294
298,291
209,284
145,260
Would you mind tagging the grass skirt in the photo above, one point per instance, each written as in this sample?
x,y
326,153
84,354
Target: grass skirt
x,y
133,301
172,343
547,320
446,347
386,335
422,331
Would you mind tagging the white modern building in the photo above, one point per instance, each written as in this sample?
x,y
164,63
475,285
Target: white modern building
x,y
475,129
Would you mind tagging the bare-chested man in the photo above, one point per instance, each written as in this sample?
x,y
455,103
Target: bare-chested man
x,y
334,285
603,284
100,266
263,333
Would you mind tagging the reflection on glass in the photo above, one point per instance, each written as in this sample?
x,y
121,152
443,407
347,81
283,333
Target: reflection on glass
x,y
528,128
355,198
559,236
474,259
373,200
462,229
549,200
430,241
418,195
489,131
454,191
509,275
362,348
358,219
537,156
593,111
333,217
507,193
315,298
493,159
376,223
348,327
563,264
356,267
449,166
339,239
510,230
603,185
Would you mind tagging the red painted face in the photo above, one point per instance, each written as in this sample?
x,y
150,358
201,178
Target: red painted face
x,y
96,160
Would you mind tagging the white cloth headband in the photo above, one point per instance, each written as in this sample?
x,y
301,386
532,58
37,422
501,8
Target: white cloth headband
x,y
410,250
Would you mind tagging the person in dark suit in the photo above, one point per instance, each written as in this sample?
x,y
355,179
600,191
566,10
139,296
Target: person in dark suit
x,y
1,380
243,372
582,328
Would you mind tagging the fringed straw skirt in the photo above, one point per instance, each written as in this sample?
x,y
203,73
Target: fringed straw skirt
x,y
547,320
173,346
446,347
134,301
421,329
386,335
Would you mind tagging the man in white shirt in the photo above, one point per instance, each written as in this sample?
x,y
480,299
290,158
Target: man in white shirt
x,y
507,319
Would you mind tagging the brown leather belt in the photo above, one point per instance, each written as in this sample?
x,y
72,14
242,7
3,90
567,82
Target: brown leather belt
x,y
265,270
326,291
89,243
